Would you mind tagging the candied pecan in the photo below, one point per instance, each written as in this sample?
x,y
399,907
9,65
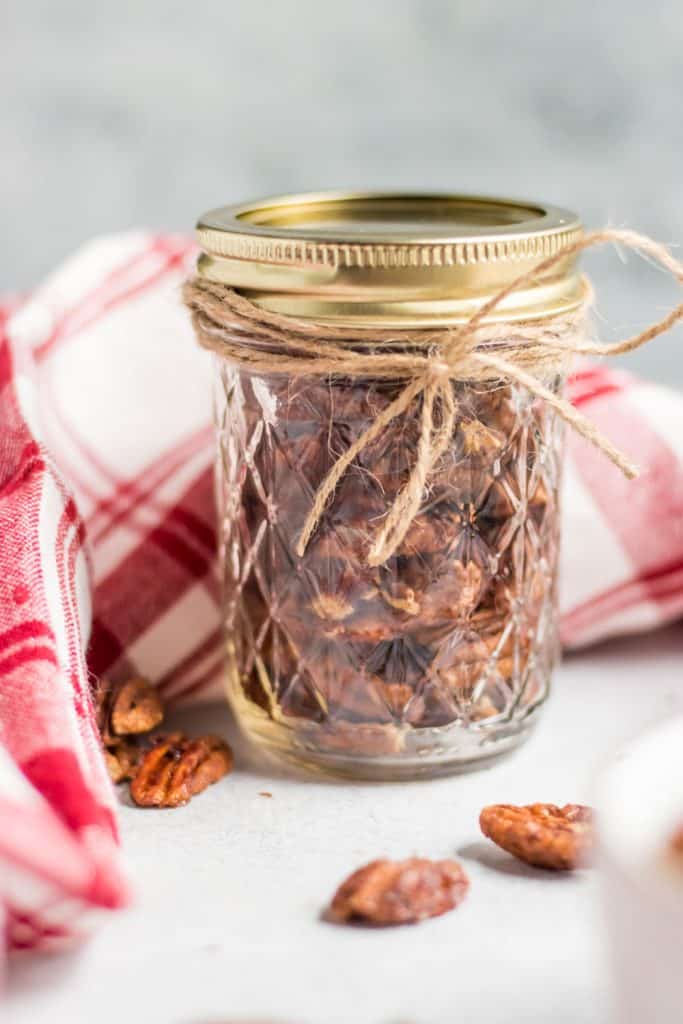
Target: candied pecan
x,y
298,697
340,689
127,708
340,737
373,623
397,696
483,709
333,607
560,838
675,848
122,757
388,892
102,693
497,507
454,594
176,768
407,603
135,708
430,533
124,710
478,439
464,667
431,706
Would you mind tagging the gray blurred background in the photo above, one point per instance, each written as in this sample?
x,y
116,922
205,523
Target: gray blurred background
x,y
148,112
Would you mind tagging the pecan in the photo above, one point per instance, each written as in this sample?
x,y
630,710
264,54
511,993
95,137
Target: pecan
x,y
454,594
102,698
136,708
560,838
478,439
354,738
331,606
483,709
121,758
675,847
127,708
123,710
388,892
176,768
407,603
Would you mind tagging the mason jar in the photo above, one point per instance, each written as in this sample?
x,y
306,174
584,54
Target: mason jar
x,y
439,655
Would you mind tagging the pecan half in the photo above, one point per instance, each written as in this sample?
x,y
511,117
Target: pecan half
x,y
387,892
123,710
675,848
135,708
559,838
128,708
176,768
121,758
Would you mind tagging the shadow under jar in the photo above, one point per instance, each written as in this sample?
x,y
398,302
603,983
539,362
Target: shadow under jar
x,y
440,656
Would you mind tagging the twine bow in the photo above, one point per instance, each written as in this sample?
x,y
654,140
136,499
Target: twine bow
x,y
228,324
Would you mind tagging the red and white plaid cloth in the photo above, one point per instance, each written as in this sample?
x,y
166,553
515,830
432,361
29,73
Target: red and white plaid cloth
x,y
107,547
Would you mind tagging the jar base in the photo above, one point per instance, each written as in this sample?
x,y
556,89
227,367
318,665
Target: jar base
x,y
428,753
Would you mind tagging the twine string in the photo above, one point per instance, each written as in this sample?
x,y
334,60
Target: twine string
x,y
429,360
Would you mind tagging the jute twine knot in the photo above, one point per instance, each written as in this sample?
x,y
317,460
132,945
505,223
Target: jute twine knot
x,y
429,361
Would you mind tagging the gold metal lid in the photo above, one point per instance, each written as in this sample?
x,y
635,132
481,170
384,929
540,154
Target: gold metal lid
x,y
390,260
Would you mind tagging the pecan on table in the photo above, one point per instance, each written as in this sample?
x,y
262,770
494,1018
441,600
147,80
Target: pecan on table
x,y
122,757
124,710
675,848
176,768
546,836
386,892
128,708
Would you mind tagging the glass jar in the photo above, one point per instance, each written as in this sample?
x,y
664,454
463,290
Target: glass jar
x,y
441,656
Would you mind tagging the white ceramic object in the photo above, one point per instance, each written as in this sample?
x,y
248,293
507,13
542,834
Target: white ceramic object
x,y
640,803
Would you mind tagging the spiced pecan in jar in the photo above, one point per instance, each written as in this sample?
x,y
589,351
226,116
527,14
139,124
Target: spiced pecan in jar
x,y
389,461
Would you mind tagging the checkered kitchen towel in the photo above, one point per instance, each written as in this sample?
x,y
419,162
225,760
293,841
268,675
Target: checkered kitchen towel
x,y
107,543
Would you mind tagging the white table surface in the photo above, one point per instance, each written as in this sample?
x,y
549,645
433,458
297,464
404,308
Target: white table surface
x,y
229,889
